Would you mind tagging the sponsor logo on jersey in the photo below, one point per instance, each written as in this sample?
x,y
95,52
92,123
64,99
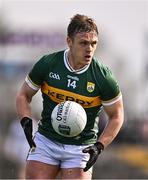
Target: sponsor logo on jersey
x,y
54,76
59,95
73,77
90,87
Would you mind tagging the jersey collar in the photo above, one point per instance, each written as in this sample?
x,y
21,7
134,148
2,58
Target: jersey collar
x,y
68,66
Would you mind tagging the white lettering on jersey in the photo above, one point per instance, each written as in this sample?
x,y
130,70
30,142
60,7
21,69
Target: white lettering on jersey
x,y
54,76
71,83
73,77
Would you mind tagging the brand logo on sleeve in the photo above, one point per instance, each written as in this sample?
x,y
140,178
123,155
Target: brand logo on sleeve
x,y
54,76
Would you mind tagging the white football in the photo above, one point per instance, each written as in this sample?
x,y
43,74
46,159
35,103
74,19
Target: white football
x,y
68,118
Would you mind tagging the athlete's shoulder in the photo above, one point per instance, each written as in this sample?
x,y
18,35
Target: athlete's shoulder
x,y
48,58
100,68
106,81
41,68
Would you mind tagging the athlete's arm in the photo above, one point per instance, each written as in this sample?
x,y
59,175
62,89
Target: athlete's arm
x,y
23,100
115,114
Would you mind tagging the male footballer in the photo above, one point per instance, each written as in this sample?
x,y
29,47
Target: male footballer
x,y
72,74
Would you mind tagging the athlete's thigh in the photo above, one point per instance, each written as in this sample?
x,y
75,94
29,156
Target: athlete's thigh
x,y
75,173
40,170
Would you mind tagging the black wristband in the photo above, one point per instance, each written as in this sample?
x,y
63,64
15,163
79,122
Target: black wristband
x,y
25,120
27,126
99,145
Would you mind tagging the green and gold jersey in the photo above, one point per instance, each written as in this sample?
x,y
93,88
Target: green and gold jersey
x,y
92,87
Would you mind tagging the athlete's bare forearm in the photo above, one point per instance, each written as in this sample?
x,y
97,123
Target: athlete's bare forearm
x,y
111,131
23,106
116,118
23,100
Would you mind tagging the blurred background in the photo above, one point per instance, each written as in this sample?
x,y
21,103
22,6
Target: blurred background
x,y
32,28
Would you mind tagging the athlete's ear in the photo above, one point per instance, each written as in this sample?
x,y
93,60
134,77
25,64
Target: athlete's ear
x,y
69,42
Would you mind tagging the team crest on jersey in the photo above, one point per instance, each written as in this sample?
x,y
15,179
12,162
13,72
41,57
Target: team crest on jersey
x,y
90,87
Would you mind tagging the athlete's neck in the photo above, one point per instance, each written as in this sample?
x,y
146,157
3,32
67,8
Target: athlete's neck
x,y
72,62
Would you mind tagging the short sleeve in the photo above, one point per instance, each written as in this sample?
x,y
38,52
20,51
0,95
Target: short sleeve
x,y
110,90
36,76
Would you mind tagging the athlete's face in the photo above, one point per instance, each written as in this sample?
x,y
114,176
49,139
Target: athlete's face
x,y
82,48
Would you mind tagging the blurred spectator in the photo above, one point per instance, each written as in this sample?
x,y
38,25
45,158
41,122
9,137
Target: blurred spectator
x,y
16,147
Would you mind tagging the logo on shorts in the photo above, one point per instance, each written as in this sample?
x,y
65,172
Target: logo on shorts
x,y
90,87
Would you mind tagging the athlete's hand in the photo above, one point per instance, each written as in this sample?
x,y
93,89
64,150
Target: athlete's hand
x,y
26,124
94,152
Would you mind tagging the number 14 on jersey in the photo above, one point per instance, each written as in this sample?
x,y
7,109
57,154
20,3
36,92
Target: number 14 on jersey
x,y
71,83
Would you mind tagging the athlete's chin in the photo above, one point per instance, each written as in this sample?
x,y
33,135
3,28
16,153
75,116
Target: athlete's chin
x,y
87,61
